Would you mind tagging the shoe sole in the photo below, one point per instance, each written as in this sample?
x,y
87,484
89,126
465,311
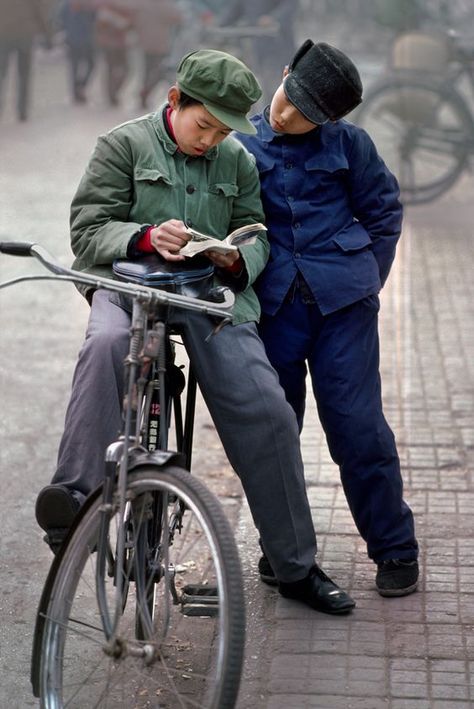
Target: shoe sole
x,y
397,592
341,611
55,509
269,580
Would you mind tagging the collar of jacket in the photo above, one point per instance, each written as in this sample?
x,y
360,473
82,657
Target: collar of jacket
x,y
158,121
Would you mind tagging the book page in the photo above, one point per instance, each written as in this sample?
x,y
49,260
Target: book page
x,y
200,242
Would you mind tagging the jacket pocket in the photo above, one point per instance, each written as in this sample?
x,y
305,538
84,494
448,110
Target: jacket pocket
x,y
327,163
264,165
151,175
352,240
224,189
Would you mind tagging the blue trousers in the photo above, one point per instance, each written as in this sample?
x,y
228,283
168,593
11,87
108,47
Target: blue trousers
x,y
341,351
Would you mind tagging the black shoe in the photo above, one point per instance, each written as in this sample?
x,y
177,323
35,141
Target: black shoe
x,y
267,575
397,577
56,508
318,591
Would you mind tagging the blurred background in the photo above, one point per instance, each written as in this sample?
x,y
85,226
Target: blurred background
x,y
116,59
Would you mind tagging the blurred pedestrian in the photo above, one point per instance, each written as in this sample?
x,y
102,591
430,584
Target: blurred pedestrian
x,y
22,21
267,50
77,18
400,16
155,23
114,22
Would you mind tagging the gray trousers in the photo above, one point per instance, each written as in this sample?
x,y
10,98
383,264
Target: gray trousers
x,y
256,425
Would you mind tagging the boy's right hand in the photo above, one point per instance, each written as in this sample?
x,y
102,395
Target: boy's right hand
x,y
168,238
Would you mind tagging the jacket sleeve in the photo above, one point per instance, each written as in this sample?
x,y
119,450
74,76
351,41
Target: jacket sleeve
x,y
100,226
247,209
374,196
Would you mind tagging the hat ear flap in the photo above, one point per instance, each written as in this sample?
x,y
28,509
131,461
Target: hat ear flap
x,y
305,47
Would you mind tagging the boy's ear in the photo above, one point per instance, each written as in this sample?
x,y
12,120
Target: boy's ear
x,y
286,71
173,97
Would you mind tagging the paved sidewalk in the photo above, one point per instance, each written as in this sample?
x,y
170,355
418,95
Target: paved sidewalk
x,y
415,652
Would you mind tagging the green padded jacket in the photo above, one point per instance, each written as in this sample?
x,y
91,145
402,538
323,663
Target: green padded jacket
x,y
137,177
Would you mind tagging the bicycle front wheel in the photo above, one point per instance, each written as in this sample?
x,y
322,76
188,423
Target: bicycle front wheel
x,y
424,132
187,649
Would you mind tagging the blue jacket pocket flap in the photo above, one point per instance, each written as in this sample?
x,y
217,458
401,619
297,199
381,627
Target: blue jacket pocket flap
x,y
353,239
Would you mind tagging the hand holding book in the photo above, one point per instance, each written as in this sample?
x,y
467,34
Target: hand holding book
x,y
203,242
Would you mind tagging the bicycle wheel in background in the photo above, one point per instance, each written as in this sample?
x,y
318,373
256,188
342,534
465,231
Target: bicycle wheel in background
x,y
188,651
424,133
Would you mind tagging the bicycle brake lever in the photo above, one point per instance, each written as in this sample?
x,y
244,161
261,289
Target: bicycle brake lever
x,y
217,328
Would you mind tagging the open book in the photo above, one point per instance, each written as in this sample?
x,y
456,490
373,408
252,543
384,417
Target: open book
x,y
203,242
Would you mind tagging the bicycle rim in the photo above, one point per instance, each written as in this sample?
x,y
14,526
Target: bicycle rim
x,y
422,132
193,655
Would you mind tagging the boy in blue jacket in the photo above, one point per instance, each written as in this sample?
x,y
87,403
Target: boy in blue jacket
x,y
333,219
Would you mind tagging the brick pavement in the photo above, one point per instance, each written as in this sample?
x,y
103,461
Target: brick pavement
x,y
415,652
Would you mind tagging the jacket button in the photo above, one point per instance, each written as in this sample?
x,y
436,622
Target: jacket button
x,y
190,189
189,222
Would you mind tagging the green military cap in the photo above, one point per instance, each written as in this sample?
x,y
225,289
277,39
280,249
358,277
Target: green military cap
x,y
222,83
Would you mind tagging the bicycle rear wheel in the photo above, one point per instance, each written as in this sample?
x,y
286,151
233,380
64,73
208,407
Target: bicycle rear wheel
x,y
188,651
424,132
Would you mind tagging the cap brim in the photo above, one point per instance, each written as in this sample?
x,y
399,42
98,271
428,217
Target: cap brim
x,y
303,101
235,121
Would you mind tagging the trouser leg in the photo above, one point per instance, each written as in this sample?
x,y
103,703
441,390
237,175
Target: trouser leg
x,y
5,51
117,71
152,71
93,417
74,70
24,58
345,372
256,425
288,338
342,350
260,435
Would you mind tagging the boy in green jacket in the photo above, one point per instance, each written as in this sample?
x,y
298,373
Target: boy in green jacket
x,y
146,181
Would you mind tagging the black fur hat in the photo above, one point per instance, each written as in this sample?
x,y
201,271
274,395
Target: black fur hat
x,y
323,83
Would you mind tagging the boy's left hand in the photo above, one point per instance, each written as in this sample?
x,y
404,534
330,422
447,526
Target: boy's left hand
x,y
223,260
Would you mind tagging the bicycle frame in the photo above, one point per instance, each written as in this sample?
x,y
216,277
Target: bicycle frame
x,y
146,345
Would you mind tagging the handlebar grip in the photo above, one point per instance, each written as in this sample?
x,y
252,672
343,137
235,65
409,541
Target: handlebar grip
x,y
16,248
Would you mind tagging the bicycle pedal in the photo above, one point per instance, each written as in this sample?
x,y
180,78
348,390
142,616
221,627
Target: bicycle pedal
x,y
199,601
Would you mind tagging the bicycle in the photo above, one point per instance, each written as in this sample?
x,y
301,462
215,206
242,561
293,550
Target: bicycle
x,y
143,605
418,115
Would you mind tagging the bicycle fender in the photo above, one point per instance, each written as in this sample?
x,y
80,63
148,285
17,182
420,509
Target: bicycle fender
x,y
137,458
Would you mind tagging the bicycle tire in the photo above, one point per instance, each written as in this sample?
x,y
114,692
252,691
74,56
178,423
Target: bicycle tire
x,y
197,660
423,130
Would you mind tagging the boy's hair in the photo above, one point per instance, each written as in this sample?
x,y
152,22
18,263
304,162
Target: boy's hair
x,y
323,83
185,100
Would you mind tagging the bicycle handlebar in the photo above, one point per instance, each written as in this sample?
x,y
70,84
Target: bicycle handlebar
x,y
221,310
16,248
